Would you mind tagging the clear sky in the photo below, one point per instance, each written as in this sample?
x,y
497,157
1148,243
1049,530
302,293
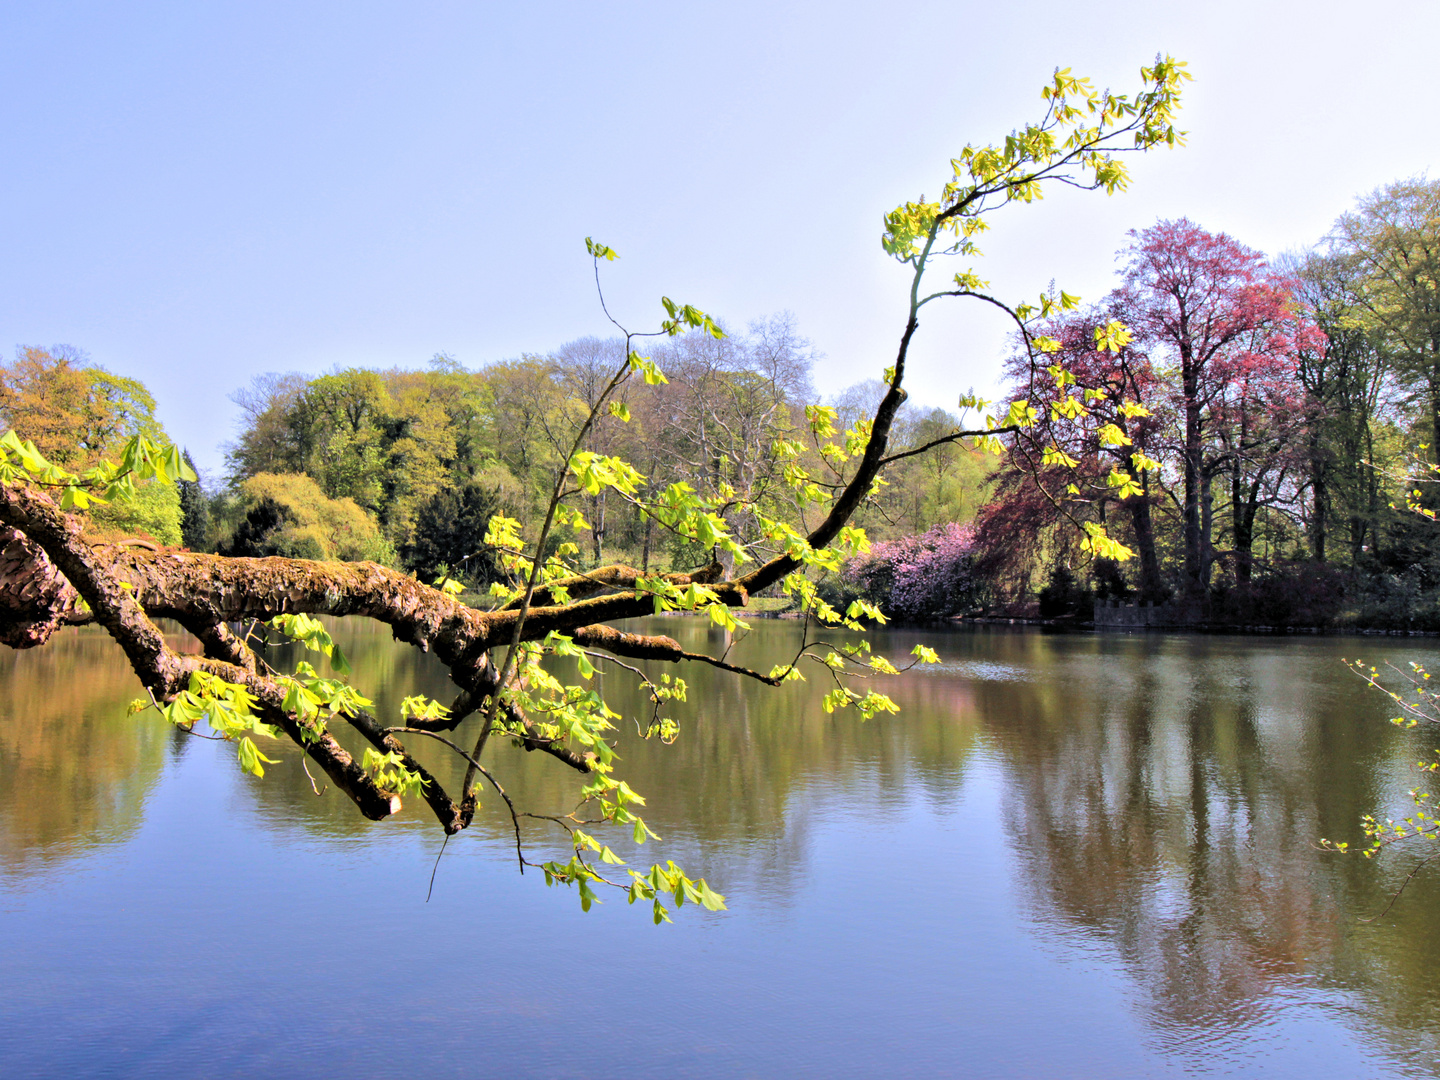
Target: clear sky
x,y
198,192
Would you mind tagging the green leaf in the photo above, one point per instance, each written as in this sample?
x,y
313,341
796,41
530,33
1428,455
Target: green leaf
x,y
925,654
75,499
709,898
251,758
587,894
1112,337
1110,435
600,251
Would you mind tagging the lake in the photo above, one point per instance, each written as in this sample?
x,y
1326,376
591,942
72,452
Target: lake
x,y
1067,856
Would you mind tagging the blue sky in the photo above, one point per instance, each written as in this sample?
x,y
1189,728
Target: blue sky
x,y
196,192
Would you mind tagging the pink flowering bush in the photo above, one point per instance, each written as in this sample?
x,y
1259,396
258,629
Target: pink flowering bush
x,y
915,577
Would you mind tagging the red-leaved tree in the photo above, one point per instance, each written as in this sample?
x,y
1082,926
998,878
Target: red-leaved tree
x,y
1101,404
1211,307
1259,423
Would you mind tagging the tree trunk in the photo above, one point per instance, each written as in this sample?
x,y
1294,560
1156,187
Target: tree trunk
x,y
1207,525
1152,587
1319,494
645,549
1242,508
1191,519
1372,492
1434,381
597,526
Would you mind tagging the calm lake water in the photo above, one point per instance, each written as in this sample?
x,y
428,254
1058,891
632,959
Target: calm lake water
x,y
1067,856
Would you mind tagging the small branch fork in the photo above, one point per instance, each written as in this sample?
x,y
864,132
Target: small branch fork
x,y
514,818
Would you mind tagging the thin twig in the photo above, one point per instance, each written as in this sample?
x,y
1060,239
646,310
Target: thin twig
x,y
321,791
434,869
514,817
1409,877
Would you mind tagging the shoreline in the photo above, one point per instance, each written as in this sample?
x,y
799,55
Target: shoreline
x,y
1089,627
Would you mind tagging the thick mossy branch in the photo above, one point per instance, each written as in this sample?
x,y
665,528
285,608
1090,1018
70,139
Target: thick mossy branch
x,y
177,584
35,597
111,598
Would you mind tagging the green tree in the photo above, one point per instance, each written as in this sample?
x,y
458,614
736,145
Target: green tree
x,y
154,511
78,412
288,514
339,423
1345,383
582,370
1393,237
194,510
719,421
448,533
267,439
72,410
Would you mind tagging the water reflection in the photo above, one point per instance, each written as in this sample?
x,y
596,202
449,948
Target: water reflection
x,y
1166,795
74,771
1161,796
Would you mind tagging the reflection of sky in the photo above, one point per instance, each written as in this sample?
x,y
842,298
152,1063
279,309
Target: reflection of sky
x,y
886,923
902,957
978,670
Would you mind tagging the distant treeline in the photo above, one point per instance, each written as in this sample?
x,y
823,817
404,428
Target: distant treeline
x,y
426,457
1259,438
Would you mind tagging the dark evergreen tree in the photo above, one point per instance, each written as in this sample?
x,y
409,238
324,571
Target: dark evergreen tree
x,y
449,533
252,536
1065,596
194,511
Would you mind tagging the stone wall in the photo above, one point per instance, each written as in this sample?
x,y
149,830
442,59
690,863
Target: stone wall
x,y
1117,615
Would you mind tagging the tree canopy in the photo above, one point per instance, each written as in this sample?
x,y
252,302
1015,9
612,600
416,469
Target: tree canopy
x,y
76,413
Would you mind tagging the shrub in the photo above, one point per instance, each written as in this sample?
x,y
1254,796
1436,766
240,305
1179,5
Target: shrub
x,y
931,575
289,515
153,512
1294,594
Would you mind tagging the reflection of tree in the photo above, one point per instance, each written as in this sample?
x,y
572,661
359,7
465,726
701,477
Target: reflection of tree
x,y
1168,797
733,796
74,768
